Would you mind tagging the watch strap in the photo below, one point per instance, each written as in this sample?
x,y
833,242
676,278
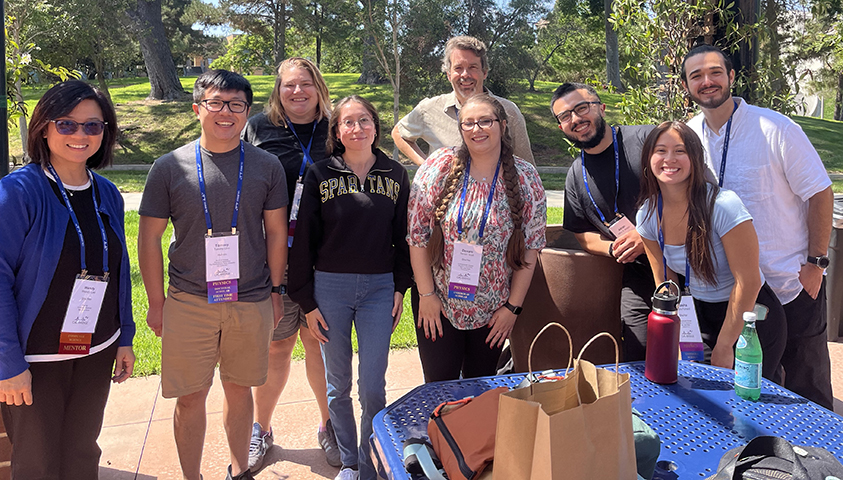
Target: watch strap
x,y
512,308
280,289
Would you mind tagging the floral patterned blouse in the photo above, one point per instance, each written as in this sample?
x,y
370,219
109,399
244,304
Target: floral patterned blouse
x,y
495,274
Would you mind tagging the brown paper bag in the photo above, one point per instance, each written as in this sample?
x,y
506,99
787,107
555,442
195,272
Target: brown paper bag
x,y
579,427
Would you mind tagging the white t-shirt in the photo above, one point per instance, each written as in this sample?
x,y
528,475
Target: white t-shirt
x,y
775,170
728,213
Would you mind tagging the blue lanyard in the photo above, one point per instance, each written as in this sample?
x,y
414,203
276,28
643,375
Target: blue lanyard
x,y
488,201
725,144
201,174
307,160
76,220
664,258
617,178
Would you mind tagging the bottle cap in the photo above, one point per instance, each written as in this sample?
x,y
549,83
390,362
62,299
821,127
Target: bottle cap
x,y
664,300
749,317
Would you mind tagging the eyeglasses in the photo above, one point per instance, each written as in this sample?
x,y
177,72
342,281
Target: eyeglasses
x,y
364,123
69,127
580,109
485,123
234,106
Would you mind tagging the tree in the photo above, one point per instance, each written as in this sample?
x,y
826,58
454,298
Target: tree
x,y
382,46
245,54
146,22
822,39
657,34
27,21
613,69
261,17
553,33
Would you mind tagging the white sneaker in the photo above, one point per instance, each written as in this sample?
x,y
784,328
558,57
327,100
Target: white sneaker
x,y
258,446
347,474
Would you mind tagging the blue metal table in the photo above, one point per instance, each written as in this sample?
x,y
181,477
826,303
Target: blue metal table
x,y
698,418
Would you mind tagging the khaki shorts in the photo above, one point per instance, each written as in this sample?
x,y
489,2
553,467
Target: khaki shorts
x,y
197,335
292,320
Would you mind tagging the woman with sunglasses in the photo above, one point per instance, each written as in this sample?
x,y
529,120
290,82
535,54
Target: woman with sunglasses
x,y
65,289
477,219
692,227
294,127
350,265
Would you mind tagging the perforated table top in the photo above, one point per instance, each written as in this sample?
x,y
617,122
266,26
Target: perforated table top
x,y
698,418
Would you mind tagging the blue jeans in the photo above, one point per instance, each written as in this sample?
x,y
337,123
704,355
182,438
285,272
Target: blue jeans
x,y
364,300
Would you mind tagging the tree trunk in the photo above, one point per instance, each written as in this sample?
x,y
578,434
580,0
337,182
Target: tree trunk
x,y
613,62
369,74
147,23
838,101
99,64
279,44
22,120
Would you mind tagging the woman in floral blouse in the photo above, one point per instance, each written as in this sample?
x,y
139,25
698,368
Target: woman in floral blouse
x,y
481,212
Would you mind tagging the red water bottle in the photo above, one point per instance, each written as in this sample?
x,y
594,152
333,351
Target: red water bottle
x,y
663,329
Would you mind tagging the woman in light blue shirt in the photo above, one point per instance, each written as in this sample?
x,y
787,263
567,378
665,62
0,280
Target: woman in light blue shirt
x,y
691,227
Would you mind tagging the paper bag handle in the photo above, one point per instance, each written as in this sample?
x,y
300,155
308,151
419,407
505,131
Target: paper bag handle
x,y
533,344
617,357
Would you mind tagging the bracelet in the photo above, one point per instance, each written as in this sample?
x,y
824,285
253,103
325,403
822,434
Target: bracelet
x,y
611,248
427,294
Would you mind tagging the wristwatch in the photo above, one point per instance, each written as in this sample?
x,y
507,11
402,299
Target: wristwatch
x,y
280,289
821,261
512,308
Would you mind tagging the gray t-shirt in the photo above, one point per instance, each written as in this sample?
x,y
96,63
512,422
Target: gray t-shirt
x,y
172,191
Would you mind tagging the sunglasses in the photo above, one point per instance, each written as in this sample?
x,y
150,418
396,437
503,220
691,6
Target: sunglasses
x,y
69,127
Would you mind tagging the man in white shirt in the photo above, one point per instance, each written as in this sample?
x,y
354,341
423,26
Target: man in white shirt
x,y
769,162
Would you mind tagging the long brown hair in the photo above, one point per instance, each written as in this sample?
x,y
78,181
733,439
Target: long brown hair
x,y
702,193
515,248
275,109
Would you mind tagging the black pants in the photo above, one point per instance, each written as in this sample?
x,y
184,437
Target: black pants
x,y
807,366
457,353
636,303
55,438
772,332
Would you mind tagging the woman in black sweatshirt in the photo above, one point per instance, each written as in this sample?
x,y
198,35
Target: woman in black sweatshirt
x,y
350,265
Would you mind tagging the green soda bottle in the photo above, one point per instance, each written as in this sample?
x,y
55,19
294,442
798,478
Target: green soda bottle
x,y
748,360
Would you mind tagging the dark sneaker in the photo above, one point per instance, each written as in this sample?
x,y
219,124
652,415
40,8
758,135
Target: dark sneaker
x,y
246,475
328,442
258,446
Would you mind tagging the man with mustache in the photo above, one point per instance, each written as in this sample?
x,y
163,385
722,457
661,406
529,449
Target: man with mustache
x,y
601,192
435,120
767,159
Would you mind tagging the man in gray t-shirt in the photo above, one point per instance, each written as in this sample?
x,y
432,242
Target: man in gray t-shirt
x,y
237,191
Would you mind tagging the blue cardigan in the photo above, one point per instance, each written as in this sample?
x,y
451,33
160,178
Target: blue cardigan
x,y
34,222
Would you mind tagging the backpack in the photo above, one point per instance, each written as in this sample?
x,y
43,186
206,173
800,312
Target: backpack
x,y
771,458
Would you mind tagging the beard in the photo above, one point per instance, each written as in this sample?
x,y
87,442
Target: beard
x,y
587,143
712,102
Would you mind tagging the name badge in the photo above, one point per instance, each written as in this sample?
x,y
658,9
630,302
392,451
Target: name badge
x,y
465,271
294,214
620,225
222,266
83,312
690,340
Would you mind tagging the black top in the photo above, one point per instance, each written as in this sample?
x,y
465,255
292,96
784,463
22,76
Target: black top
x,y
46,331
344,227
580,215
281,142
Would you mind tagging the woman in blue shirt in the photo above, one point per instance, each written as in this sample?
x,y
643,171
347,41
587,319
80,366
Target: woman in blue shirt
x,y
693,228
65,289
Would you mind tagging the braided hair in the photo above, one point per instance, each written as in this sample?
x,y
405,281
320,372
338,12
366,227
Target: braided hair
x,y
515,249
